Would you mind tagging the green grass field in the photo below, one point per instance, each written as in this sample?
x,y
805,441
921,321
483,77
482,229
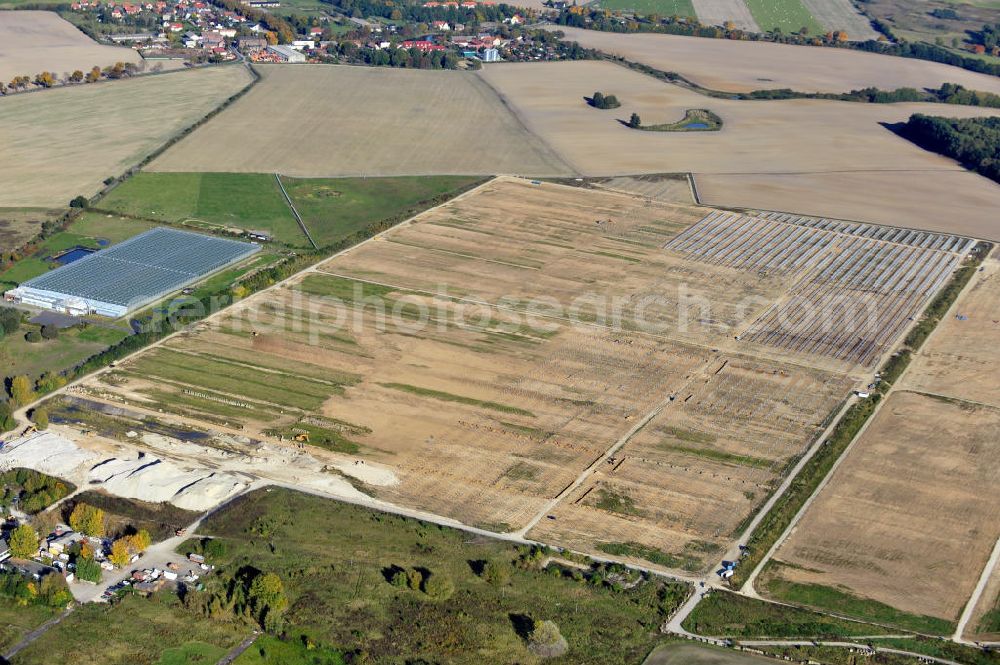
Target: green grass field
x,y
335,559
228,378
646,7
787,15
150,631
18,356
249,201
267,650
842,602
17,621
333,209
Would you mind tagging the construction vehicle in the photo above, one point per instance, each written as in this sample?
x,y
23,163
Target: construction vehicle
x,y
30,429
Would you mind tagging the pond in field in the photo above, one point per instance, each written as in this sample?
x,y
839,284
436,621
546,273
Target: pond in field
x,y
72,255
696,125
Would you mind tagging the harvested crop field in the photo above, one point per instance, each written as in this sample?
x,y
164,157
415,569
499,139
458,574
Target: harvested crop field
x,y
903,521
842,143
842,15
962,358
489,351
375,121
720,12
19,225
742,66
35,41
62,143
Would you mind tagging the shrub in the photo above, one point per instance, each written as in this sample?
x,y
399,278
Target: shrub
x,y
495,573
40,418
50,332
33,336
546,641
439,587
80,202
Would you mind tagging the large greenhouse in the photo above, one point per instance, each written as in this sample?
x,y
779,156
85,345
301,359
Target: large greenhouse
x,y
130,275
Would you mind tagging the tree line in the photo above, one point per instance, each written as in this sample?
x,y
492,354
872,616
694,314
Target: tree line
x,y
975,142
48,79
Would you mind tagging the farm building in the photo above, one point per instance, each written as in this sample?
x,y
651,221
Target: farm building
x,y
286,54
119,280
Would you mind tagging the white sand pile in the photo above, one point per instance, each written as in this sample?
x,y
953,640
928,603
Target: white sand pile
x,y
367,473
46,452
151,479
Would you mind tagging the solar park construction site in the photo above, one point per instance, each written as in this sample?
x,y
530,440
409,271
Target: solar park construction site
x,y
741,335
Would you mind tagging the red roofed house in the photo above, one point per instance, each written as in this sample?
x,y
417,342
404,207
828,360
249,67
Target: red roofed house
x,y
421,45
440,25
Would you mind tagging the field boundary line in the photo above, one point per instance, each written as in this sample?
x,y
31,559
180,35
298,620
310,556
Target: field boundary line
x,y
295,213
574,171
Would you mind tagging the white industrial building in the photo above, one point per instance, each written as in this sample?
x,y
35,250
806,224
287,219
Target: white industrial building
x,y
286,53
132,274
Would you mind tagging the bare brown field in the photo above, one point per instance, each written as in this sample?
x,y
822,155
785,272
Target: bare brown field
x,y
487,401
35,41
738,66
688,480
840,147
947,201
359,121
667,189
905,520
962,359
19,225
718,12
64,142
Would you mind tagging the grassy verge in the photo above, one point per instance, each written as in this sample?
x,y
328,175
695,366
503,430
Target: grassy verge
x,y
803,485
940,648
842,602
686,561
724,614
460,399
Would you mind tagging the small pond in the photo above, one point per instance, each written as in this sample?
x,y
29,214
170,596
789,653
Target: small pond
x,y
71,255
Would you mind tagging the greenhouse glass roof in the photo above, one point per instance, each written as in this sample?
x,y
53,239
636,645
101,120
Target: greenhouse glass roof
x,y
144,268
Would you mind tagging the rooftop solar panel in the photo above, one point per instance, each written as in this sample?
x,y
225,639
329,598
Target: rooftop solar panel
x,y
144,268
